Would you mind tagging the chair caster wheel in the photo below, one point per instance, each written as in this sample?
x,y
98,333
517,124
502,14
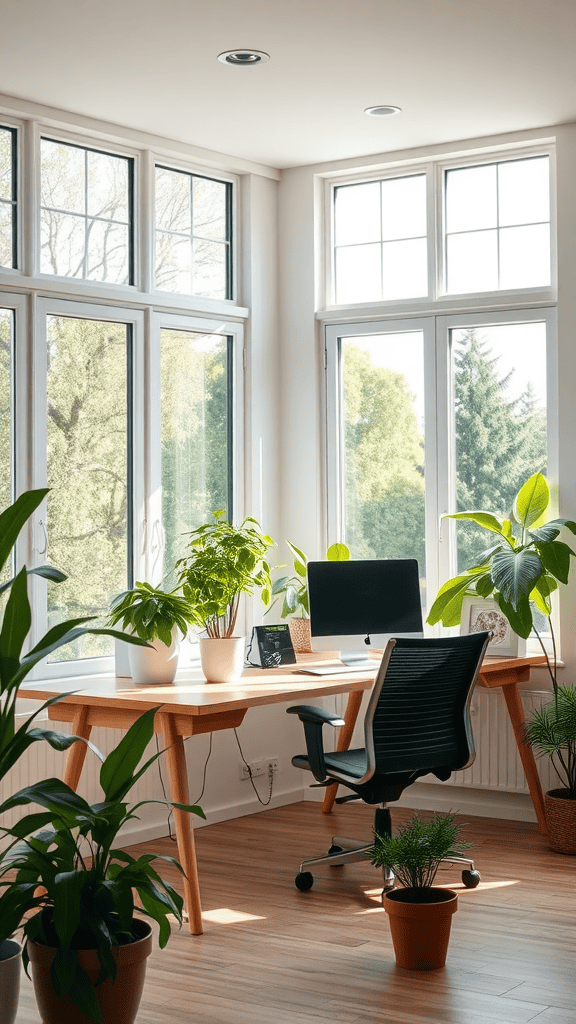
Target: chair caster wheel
x,y
471,879
304,881
334,850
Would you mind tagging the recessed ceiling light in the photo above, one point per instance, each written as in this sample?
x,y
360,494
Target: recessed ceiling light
x,y
243,57
382,111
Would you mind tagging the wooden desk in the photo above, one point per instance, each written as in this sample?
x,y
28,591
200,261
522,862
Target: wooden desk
x,y
503,672
188,707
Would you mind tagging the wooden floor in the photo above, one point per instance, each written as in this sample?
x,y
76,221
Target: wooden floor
x,y
273,955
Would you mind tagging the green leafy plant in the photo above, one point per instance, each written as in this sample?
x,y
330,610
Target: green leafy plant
x,y
16,624
552,731
294,589
151,613
521,570
224,562
88,884
415,853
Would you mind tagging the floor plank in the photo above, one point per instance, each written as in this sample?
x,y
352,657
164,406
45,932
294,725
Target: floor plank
x,y
273,955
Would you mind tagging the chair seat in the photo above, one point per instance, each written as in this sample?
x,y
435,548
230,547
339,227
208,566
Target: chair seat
x,y
351,762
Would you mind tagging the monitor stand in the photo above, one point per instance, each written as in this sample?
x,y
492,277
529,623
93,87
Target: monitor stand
x,y
356,659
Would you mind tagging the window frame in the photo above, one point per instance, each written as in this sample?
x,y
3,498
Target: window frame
x,y
16,127
437,298
439,406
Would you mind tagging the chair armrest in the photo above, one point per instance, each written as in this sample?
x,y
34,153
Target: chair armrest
x,y
306,713
313,719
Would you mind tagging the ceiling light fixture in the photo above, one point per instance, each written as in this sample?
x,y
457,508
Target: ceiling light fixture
x,y
242,58
382,111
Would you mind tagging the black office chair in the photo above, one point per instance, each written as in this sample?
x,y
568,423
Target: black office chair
x,y
417,722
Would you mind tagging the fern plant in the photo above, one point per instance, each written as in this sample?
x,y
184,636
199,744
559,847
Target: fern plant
x,y
415,853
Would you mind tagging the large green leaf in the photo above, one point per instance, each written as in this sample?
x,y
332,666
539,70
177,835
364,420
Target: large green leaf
x,y
515,574
448,604
485,519
556,558
66,911
520,618
531,501
15,627
48,572
119,766
13,519
542,593
338,553
52,794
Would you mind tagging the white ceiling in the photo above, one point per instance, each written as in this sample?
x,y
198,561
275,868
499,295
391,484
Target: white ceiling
x,y
458,68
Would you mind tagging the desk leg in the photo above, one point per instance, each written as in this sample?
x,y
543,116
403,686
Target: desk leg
x,y
516,713
352,709
77,752
178,775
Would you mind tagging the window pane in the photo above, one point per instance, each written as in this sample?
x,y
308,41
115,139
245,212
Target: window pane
x,y
188,259
173,263
87,456
525,256
383,414
404,207
62,244
357,213
359,273
173,200
195,433
471,198
209,269
108,248
500,420
209,208
472,262
6,235
7,197
405,269
63,182
86,203
524,191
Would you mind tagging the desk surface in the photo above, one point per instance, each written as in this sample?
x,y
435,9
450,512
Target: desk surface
x,y
192,695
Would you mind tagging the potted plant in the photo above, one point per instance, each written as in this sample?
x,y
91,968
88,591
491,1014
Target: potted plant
x,y
224,562
521,571
86,948
14,667
294,591
420,916
157,617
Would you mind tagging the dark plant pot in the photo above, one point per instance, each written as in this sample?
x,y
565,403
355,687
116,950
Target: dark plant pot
x,y
9,980
118,1000
420,930
561,820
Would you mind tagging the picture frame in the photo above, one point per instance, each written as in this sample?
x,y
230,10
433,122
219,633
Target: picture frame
x,y
478,614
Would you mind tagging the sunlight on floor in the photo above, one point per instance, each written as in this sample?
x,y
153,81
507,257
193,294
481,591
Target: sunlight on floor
x,y
376,894
226,916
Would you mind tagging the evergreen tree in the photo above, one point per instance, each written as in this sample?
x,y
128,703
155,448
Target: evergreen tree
x,y
499,441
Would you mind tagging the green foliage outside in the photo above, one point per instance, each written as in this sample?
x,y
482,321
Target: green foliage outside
x,y
194,435
415,853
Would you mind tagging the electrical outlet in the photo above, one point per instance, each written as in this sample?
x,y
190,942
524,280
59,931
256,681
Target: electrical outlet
x,y
256,768
274,764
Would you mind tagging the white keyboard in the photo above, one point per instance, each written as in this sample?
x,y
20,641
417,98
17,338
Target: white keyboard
x,y
339,670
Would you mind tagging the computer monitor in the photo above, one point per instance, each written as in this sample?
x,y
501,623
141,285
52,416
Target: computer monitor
x,y
359,604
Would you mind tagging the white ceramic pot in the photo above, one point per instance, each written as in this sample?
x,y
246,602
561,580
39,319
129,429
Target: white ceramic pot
x,y
222,658
9,980
155,664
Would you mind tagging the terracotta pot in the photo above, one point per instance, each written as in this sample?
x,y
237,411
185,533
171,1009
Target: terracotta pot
x,y
9,980
118,1000
560,820
222,658
420,931
156,664
300,635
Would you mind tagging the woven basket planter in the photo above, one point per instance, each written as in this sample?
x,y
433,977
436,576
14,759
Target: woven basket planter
x,y
300,635
561,821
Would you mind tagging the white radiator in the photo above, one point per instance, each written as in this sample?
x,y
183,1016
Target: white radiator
x,y
498,765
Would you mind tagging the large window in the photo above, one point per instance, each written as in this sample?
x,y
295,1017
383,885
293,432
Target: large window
x,y
86,213
430,416
7,197
193,234
479,228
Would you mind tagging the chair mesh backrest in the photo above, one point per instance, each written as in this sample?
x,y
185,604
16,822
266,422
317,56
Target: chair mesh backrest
x,y
421,718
